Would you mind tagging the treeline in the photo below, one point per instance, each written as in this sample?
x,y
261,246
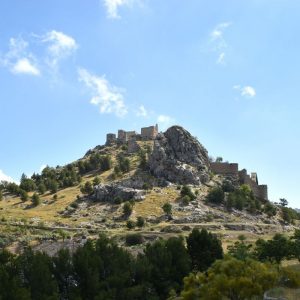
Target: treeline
x,y
53,179
176,268
242,198
103,270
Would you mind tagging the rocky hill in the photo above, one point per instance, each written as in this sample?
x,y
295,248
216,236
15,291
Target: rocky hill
x,y
114,190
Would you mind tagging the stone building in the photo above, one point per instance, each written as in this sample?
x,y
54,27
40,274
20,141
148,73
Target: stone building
x,y
125,136
111,138
149,133
231,170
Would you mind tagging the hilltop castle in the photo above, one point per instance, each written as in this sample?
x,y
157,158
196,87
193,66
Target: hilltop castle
x,y
147,134
229,170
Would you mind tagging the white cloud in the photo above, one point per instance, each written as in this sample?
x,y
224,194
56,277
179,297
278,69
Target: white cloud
x,y
107,97
246,91
165,121
221,59
60,46
142,112
112,7
18,59
218,41
24,66
4,177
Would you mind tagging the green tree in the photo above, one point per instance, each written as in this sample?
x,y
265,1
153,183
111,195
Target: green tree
x,y
36,199
187,191
219,159
283,202
23,195
130,224
53,186
140,221
232,279
42,188
168,262
96,181
204,248
274,250
240,250
216,196
167,208
127,209
1,195
87,188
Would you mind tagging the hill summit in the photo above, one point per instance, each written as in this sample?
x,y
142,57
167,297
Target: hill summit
x,y
179,158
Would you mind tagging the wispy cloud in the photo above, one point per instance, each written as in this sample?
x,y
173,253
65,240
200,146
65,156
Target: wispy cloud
x,y
246,91
221,59
24,66
4,177
218,42
107,97
165,121
112,6
142,112
60,47
18,59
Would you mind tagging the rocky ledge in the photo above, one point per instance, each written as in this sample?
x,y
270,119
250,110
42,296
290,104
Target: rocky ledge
x,y
179,158
110,192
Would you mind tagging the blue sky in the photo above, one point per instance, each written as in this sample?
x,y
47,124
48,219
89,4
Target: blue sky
x,y
228,71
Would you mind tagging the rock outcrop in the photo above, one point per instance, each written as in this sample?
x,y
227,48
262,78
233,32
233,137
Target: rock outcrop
x,y
109,192
179,158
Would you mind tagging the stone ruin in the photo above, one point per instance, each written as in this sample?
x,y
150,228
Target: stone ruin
x,y
147,134
179,158
231,171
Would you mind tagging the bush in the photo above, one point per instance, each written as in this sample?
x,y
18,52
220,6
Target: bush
x,y
186,191
23,195
36,199
127,209
216,195
118,200
167,208
87,189
186,200
227,186
146,186
74,205
134,239
140,222
96,181
130,224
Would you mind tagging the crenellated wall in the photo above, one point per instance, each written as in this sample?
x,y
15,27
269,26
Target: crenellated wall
x,y
224,168
232,170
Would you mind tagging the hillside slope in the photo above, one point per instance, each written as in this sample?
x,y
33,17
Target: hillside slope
x,y
174,169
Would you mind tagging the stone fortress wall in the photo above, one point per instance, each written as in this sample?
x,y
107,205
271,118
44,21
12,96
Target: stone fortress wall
x,y
232,170
147,134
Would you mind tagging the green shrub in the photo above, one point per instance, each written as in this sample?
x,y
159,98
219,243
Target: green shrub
x,y
167,208
187,191
140,221
134,239
36,199
127,209
216,196
186,200
130,224
118,200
